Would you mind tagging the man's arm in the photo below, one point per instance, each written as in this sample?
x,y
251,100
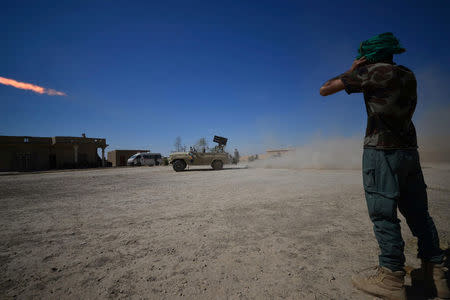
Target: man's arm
x,y
332,86
335,84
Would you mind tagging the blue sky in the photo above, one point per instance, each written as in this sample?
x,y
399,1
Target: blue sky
x,y
141,73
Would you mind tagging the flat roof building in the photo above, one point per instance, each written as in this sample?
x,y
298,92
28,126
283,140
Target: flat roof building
x,y
26,153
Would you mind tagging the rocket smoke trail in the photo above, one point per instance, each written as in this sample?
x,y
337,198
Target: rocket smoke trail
x,y
31,87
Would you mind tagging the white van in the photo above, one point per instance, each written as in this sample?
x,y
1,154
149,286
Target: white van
x,y
145,159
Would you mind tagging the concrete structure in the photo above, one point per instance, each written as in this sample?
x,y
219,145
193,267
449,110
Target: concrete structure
x,y
119,158
25,153
276,152
268,154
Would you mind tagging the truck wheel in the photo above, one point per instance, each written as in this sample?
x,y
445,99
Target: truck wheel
x,y
217,165
179,165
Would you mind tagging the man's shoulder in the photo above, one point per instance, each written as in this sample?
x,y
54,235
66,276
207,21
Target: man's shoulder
x,y
405,72
387,67
380,72
380,67
366,72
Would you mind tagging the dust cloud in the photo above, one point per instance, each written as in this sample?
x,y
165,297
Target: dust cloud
x,y
433,135
337,153
346,153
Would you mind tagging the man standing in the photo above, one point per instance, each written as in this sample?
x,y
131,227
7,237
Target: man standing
x,y
236,156
392,174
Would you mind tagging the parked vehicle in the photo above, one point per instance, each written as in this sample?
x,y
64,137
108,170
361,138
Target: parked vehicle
x,y
145,159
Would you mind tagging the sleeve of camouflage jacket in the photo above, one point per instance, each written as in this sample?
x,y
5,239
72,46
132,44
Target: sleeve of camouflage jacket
x,y
354,80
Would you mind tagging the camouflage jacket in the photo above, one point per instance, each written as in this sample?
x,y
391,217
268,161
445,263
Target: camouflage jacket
x,y
390,96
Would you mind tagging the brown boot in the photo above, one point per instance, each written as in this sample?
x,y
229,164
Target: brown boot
x,y
384,283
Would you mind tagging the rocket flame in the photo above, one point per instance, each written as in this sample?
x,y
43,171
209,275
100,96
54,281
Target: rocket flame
x,y
31,87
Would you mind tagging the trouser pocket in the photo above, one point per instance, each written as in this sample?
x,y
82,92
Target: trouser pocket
x,y
378,173
369,180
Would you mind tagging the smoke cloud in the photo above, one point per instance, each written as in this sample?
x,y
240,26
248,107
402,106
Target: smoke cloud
x,y
31,87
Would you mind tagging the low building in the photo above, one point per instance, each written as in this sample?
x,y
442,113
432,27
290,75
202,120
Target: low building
x,y
271,153
119,158
26,153
277,152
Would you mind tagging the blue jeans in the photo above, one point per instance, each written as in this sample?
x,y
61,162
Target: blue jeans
x,y
393,178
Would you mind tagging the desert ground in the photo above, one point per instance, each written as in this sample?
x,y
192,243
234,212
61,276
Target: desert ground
x,y
151,233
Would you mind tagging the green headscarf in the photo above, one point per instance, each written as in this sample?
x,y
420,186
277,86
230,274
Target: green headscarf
x,y
380,47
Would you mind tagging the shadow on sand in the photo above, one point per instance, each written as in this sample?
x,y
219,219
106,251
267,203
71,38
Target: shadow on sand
x,y
415,291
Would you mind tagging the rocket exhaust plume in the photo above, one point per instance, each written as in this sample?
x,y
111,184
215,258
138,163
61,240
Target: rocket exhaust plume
x,y
31,87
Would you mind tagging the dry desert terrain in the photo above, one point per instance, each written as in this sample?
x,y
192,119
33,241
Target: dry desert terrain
x,y
151,233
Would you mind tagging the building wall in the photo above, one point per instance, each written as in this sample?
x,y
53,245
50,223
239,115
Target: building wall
x,y
24,153
119,157
65,155
277,152
6,159
111,157
42,153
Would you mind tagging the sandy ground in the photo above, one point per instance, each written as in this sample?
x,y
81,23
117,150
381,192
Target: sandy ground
x,y
151,233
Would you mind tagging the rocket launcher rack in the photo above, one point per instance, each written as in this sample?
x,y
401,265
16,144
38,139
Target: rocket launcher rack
x,y
220,140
